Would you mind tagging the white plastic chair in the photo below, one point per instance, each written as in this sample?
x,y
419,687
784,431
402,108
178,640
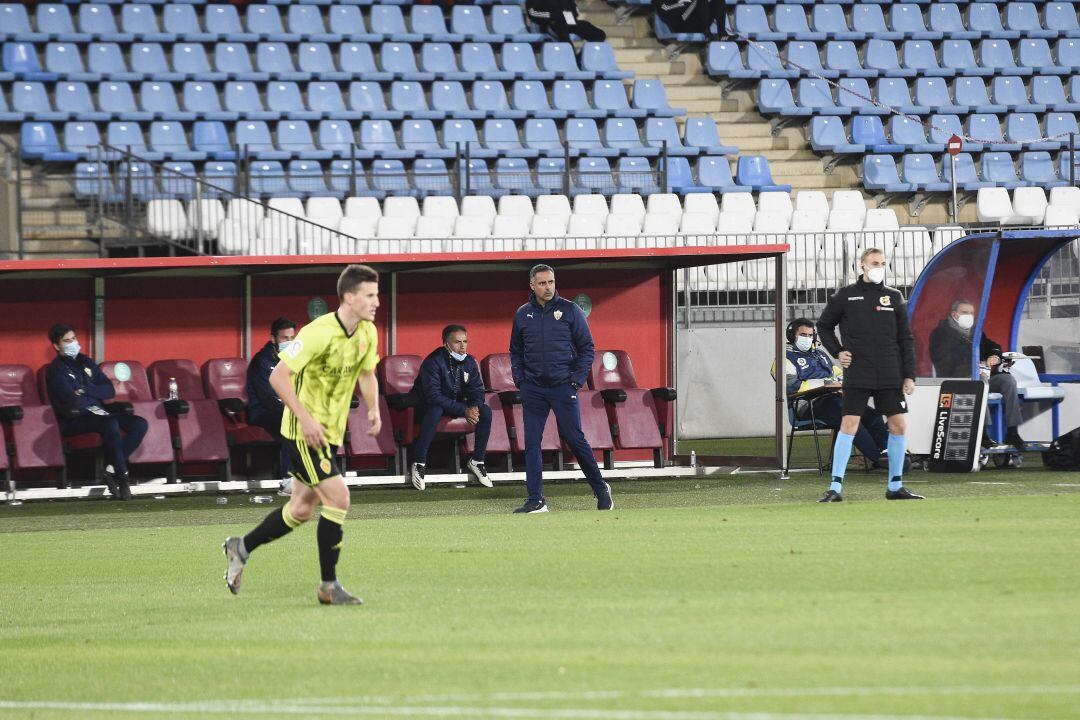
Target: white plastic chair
x,y
519,205
553,205
440,206
591,205
584,225
277,234
813,201
809,221
852,200
704,203
401,206
1061,216
845,220
628,204
1029,205
770,221
434,227
1068,197
362,207
666,203
778,203
291,205
323,208
167,219
738,202
245,211
993,205
205,216
473,226
362,228
545,225
735,222
395,227
234,237
479,206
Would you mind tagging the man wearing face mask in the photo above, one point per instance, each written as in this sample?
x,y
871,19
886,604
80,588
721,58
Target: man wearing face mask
x,y
265,408
78,391
951,351
877,352
808,367
450,386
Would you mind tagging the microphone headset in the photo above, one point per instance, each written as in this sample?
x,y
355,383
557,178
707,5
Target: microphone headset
x,y
795,325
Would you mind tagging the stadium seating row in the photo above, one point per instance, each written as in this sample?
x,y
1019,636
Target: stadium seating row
x,y
919,172
270,60
1029,206
188,21
209,420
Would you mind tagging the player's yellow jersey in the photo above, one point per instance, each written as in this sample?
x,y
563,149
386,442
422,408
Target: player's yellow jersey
x,y
326,363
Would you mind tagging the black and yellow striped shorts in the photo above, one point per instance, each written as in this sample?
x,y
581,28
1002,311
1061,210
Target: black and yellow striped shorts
x,y
311,466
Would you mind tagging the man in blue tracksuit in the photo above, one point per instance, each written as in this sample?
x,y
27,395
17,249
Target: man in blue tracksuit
x,y
551,352
78,391
264,406
450,386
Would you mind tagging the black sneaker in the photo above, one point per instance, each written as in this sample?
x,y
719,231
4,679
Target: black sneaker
x,y
533,506
831,496
902,494
1013,439
417,476
603,499
110,484
123,486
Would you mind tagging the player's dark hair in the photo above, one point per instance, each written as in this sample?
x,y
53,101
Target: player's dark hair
x,y
282,323
539,269
450,330
352,276
58,331
797,323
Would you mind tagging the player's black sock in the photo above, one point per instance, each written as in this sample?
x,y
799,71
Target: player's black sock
x,y
276,524
330,535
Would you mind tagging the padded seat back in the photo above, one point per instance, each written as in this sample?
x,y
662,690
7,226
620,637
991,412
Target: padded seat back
x,y
188,382
612,369
361,444
398,373
17,386
594,420
499,438
225,378
497,372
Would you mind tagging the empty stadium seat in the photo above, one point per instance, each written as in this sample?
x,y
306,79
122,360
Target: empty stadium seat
x,y
640,416
498,378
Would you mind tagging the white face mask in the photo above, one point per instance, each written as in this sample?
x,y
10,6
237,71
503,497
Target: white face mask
x,y
876,274
281,346
460,357
804,343
71,349
965,321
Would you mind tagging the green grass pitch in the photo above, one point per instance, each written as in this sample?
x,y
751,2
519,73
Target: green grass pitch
x,y
732,598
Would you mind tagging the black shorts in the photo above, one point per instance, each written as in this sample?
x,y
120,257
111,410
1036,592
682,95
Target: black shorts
x,y
887,402
311,466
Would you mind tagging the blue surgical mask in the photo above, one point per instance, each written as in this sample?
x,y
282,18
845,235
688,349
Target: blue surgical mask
x,y
281,346
71,349
460,357
804,343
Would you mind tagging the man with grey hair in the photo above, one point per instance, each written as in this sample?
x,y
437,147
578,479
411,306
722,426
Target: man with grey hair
x,y
551,353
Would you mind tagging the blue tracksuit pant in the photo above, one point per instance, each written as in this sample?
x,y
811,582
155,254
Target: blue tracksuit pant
x,y
432,414
536,403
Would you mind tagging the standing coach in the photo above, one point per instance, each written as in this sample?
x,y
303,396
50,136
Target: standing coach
x,y
878,353
551,352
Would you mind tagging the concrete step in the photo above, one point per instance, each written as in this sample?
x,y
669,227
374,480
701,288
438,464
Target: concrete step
x,y
60,249
795,167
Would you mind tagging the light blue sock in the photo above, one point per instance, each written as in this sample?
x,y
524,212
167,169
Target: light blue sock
x,y
897,445
840,455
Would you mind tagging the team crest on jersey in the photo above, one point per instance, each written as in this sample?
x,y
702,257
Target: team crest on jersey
x,y
324,465
295,347
558,314
885,300
87,371
801,361
466,376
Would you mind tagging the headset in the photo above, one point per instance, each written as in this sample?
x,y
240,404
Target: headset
x,y
798,323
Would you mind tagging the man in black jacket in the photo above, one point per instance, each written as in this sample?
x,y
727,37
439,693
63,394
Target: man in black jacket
x,y
77,391
264,406
877,350
449,385
951,346
559,18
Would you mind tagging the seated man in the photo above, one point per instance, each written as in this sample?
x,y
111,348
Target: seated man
x,y
950,350
559,18
449,384
265,408
77,391
807,367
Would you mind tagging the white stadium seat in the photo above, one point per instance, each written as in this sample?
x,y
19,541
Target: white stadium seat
x,y
358,227
739,202
205,216
618,224
518,205
1029,203
591,205
993,205
434,226
735,222
812,200
702,203
808,221
628,204
291,205
244,211
667,203
846,220
391,227
553,205
362,207
473,226
549,226
768,221
479,206
583,225
166,218
775,202
234,237
401,206
323,207
1061,216
852,200
440,206
881,219
660,223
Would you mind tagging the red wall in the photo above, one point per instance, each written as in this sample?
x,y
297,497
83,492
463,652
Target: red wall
x,y
30,307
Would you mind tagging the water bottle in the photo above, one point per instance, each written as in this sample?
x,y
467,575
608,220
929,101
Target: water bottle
x,y
174,389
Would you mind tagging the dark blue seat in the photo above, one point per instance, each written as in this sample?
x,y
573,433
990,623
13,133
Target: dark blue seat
x,y
714,173
701,133
753,171
879,173
828,135
212,138
920,172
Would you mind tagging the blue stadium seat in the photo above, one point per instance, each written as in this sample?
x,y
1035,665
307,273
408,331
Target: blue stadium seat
x,y
315,60
398,60
1024,128
478,178
367,98
881,56
54,20
1060,125
274,59
169,139
724,59
21,59
907,19
159,99
294,137
509,21
337,137
958,55
307,22
408,98
253,138
1035,54
971,93
1065,166
234,61
220,179
896,94
1048,90
985,17
97,19
997,55
921,173
1010,91
224,21
491,98
944,125
791,20
284,100
139,20
479,59
569,96
763,58
265,21
807,58
998,168
1068,54
920,56
650,95
202,99
869,20
31,99
830,19
346,20
418,137
501,136
854,93
177,180
559,58
430,177
190,60
599,57
378,137
967,179
879,173
933,93
37,140
306,178
140,177
520,60
842,57
664,130
622,134
148,61
636,175
181,23
211,137
665,34
750,20
73,100
15,24
827,135
387,20
428,21
594,174
81,138
531,97
774,96
945,18
816,95
128,136
583,137
701,133
243,99
512,175
753,170
470,22
986,129
64,59
715,173
348,179
268,180
542,135
438,59
869,131
92,180
550,174
1061,18
357,59
6,113
910,134
680,178
1037,168
449,98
